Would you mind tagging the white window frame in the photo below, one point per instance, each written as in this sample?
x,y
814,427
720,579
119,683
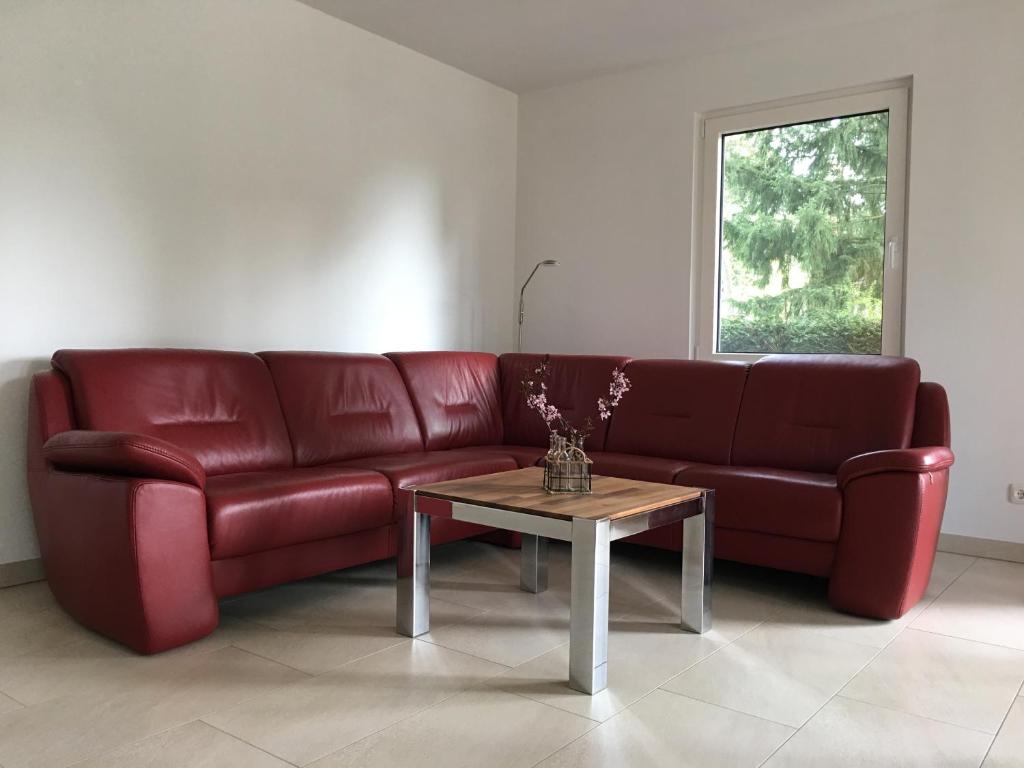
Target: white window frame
x,y
895,99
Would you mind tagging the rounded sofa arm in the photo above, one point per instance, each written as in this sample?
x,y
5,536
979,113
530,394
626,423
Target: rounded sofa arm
x,y
123,453
931,459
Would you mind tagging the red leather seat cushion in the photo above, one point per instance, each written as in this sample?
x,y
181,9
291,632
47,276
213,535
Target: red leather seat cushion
x,y
220,407
804,505
525,455
256,511
679,409
649,468
433,467
341,406
455,396
408,469
812,412
574,384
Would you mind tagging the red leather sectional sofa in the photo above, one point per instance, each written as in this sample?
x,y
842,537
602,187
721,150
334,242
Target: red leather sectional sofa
x,y
162,480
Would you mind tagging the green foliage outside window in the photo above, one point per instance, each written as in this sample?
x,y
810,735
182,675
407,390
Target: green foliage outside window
x,y
803,231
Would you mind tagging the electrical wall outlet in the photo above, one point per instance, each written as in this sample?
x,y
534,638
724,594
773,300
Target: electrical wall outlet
x,y
1017,493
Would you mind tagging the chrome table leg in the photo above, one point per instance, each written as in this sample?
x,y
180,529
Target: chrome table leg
x,y
698,558
413,617
588,611
533,571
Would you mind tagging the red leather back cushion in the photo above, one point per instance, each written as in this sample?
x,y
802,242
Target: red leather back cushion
x,y
931,417
455,395
219,406
574,384
812,412
679,409
343,406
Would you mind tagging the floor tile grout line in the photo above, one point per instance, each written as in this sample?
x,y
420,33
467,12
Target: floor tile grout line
x,y
126,744
485,683
614,714
567,744
523,696
591,730
477,612
968,639
889,708
195,655
534,658
819,633
410,716
399,640
826,703
1001,725
15,700
691,697
705,658
437,644
925,604
249,743
272,661
625,707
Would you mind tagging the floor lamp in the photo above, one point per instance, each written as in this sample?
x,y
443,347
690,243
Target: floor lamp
x,y
522,305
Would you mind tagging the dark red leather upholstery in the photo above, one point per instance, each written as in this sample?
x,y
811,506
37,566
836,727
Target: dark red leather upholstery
x,y
455,395
234,575
122,453
782,552
129,558
432,467
576,382
161,479
905,460
49,413
648,468
341,407
891,525
220,407
524,455
685,409
408,469
105,541
931,417
782,502
255,511
812,412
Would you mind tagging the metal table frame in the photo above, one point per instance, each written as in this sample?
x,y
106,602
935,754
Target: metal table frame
x,y
590,539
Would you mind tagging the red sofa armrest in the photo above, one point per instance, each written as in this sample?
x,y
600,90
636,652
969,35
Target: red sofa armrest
x,y
123,453
900,460
893,503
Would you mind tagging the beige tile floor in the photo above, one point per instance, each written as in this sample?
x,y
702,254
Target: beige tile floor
x,y
313,674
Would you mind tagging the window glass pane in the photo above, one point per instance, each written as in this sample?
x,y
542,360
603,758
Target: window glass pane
x,y
803,237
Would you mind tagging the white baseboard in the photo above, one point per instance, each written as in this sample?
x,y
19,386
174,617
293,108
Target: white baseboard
x,y
21,572
975,547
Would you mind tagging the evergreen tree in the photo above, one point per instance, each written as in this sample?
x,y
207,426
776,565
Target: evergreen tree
x,y
810,196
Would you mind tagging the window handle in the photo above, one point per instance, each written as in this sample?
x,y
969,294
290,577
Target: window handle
x,y
893,251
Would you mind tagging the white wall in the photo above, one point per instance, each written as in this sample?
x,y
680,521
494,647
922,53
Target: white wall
x,y
605,185
242,174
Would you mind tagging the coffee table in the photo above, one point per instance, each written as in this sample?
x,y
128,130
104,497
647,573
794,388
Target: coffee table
x,y
515,501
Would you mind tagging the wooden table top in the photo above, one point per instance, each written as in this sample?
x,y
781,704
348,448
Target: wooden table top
x,y
521,490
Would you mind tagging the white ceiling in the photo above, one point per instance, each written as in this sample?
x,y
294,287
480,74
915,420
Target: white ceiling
x,y
525,45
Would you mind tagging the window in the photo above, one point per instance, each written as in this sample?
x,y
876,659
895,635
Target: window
x,y
802,228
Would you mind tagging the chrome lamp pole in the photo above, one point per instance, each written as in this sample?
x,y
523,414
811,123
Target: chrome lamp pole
x,y
522,305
